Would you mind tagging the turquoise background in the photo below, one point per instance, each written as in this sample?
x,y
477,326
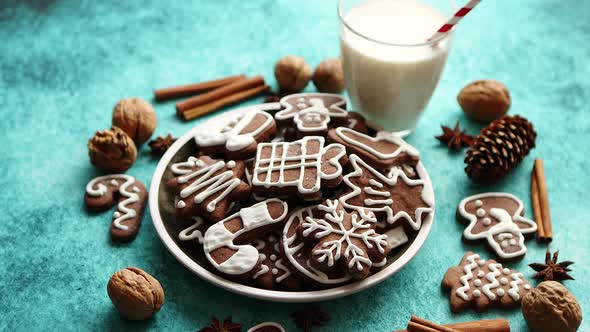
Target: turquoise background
x,y
64,64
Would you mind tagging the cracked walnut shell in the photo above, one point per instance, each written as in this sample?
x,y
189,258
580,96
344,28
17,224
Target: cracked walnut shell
x,y
136,117
112,151
136,294
551,307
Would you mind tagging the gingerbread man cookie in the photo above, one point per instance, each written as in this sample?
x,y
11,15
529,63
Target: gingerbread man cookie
x,y
302,167
384,151
130,194
274,272
207,187
239,138
348,239
221,241
498,219
390,198
483,284
313,113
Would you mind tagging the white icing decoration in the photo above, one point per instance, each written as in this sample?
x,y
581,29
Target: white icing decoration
x,y
480,273
503,281
180,204
380,264
396,237
516,281
95,188
230,164
386,204
317,106
114,182
191,232
275,271
527,286
481,263
480,212
500,292
506,271
246,256
263,269
273,257
507,229
205,179
381,136
476,293
477,282
269,325
478,203
495,271
468,275
232,137
265,168
286,271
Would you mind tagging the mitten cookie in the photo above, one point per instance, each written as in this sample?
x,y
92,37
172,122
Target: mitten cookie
x,y
302,167
390,198
239,138
312,113
221,241
498,219
207,187
483,284
384,151
348,239
275,272
130,194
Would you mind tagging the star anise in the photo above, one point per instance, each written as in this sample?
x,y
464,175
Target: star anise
x,y
160,144
218,326
552,270
454,138
308,317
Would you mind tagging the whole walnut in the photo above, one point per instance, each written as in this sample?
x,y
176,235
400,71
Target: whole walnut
x,y
551,307
485,100
329,76
136,294
112,151
136,117
292,74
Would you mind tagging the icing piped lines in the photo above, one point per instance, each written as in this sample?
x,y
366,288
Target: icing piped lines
x,y
495,272
123,212
468,270
516,281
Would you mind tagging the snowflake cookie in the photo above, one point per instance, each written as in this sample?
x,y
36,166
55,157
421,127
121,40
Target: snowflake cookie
x,y
483,284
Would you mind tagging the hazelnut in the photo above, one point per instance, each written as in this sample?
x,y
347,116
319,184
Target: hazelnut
x,y
136,294
484,100
292,74
136,117
112,151
329,76
551,307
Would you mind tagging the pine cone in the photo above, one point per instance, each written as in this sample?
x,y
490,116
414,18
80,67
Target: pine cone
x,y
500,147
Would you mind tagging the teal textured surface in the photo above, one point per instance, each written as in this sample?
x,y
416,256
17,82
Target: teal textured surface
x,y
64,64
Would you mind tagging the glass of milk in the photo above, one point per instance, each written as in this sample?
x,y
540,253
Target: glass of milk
x,y
390,66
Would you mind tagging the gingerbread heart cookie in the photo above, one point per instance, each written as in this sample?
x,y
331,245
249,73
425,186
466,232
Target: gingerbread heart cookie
x,y
384,151
302,167
499,219
131,198
313,113
391,198
275,272
221,242
483,284
207,187
348,239
240,137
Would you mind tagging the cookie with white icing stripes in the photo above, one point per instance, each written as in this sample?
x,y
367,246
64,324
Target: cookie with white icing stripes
x,y
275,272
131,198
482,285
498,219
240,137
206,187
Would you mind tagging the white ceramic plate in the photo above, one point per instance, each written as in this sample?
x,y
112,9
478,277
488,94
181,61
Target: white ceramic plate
x,y
217,123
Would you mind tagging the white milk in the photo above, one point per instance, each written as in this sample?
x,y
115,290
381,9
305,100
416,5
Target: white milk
x,y
391,85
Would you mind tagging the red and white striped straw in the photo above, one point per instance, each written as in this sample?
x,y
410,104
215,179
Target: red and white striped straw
x,y
455,19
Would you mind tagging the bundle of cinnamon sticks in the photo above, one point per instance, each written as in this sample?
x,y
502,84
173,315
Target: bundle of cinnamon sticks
x,y
418,324
212,95
540,202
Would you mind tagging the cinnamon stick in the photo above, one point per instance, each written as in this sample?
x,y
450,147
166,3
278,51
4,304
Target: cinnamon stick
x,y
423,323
219,93
540,201
225,101
193,89
489,325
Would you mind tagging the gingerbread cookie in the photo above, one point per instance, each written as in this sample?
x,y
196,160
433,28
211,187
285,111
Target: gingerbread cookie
x,y
207,187
302,167
497,218
390,198
356,122
299,254
131,197
348,239
239,138
267,327
274,272
313,113
384,151
194,232
221,241
483,284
